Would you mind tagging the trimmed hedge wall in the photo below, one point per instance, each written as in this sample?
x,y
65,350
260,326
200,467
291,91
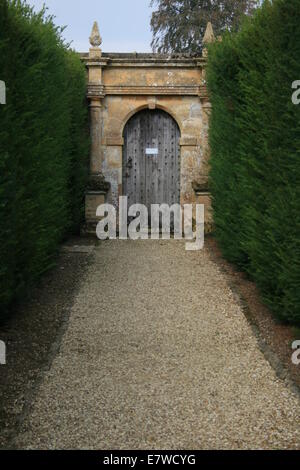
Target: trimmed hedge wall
x,y
255,146
44,146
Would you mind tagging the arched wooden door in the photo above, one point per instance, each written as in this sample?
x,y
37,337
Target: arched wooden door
x,y
151,159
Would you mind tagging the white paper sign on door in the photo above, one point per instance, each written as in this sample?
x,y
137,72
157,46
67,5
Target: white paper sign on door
x,y
151,151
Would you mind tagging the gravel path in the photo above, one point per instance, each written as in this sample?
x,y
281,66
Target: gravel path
x,y
158,355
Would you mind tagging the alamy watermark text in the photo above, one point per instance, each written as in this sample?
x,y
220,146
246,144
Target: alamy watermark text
x,y
164,220
2,92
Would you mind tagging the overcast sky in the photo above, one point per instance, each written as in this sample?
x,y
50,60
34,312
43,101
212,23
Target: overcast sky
x,y
124,24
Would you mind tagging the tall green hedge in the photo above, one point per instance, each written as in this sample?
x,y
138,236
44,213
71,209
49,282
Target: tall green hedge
x,y
43,146
255,145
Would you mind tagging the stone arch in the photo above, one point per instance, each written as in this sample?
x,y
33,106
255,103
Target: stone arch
x,y
146,106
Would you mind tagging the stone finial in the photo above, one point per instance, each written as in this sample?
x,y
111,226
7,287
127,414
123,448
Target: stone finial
x,y
95,38
209,36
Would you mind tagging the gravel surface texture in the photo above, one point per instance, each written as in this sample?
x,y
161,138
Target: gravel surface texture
x,y
33,334
159,355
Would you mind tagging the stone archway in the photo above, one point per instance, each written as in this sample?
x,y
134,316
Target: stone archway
x,y
119,86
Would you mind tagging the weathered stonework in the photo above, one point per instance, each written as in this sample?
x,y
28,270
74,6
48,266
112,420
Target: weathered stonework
x,y
120,85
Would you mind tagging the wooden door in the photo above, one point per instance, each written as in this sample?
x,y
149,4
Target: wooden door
x,y
151,159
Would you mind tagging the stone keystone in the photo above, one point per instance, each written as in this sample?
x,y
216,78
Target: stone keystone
x,y
95,38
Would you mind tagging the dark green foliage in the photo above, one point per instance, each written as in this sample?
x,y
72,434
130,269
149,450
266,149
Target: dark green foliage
x,y
179,25
43,146
255,144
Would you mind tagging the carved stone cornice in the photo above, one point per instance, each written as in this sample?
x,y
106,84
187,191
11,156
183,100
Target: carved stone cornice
x,y
189,90
142,61
95,62
95,90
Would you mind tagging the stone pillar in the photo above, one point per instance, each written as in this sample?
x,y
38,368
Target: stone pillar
x,y
95,96
97,186
206,107
96,136
209,38
201,186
